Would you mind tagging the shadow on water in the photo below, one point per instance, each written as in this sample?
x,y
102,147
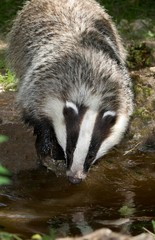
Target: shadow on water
x,y
38,200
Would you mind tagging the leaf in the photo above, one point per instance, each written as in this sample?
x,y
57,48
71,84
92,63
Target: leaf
x,y
9,236
126,211
3,138
4,180
153,225
150,34
36,237
46,237
4,171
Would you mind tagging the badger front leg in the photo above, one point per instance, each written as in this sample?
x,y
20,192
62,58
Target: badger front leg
x,y
46,142
43,142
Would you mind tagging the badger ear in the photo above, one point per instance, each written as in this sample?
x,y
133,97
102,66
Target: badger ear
x,y
72,106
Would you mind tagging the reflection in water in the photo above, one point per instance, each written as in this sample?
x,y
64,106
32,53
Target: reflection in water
x,y
38,200
81,223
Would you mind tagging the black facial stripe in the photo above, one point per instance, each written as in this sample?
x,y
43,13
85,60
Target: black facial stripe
x,y
96,40
101,131
57,151
73,121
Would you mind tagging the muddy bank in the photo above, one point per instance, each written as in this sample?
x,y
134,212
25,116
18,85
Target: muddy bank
x,y
18,153
142,127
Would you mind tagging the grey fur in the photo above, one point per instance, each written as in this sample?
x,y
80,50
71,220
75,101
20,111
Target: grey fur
x,y
69,50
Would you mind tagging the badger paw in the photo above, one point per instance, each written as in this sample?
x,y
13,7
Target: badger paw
x,y
43,140
43,146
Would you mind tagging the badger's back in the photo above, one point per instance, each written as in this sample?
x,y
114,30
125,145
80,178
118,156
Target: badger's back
x,y
70,63
51,25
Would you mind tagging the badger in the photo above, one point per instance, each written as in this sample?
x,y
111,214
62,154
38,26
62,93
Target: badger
x,y
74,88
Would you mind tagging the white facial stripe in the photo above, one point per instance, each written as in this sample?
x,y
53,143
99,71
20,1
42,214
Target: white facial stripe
x,y
79,174
115,137
109,113
73,106
83,142
54,109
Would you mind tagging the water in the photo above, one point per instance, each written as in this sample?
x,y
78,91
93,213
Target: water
x,y
38,200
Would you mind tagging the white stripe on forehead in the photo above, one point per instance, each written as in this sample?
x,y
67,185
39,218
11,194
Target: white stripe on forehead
x,y
84,139
109,113
53,108
73,106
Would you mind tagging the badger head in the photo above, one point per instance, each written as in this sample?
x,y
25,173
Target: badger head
x,y
84,134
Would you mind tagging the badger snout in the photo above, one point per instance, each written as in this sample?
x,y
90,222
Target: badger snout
x,y
74,180
76,177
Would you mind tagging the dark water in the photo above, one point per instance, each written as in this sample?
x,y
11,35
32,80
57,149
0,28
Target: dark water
x,y
38,200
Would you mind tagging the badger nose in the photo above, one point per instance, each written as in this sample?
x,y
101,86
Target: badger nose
x,y
74,180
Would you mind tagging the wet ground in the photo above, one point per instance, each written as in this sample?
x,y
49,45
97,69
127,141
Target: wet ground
x,y
38,200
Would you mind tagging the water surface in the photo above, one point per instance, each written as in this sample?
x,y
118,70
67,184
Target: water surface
x,y
38,200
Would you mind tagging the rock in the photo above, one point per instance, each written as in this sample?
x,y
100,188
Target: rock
x,y
107,234
152,69
3,44
124,24
140,25
138,29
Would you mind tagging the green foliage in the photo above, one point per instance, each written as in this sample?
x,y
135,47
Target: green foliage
x,y
150,34
119,9
139,56
9,236
4,173
8,11
36,237
3,138
153,225
2,60
50,236
4,176
8,81
126,211
129,9
7,78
